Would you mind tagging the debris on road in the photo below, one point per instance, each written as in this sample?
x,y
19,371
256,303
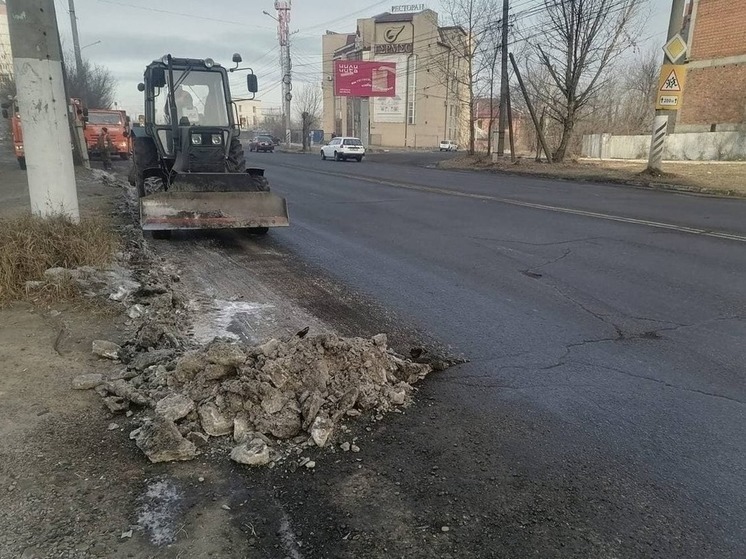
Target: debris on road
x,y
292,391
106,349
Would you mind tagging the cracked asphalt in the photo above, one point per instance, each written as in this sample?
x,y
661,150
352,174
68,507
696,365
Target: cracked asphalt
x,y
601,412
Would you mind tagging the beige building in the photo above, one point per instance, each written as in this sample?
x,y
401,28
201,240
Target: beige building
x,y
249,114
6,56
431,101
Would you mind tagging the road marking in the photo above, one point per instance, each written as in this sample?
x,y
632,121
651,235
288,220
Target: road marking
x,y
533,205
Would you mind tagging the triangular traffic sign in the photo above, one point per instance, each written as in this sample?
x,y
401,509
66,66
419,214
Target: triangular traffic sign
x,y
672,82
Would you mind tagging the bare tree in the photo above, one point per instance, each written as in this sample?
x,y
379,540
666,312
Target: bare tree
x,y
308,106
488,53
92,84
471,24
580,40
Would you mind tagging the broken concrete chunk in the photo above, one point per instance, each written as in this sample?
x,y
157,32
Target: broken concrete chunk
x,y
251,453
106,349
213,421
269,349
241,428
161,441
136,311
322,430
144,360
381,340
174,407
116,404
199,439
87,382
310,408
127,391
227,354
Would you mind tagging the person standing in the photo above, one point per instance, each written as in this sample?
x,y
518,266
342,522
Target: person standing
x,y
104,148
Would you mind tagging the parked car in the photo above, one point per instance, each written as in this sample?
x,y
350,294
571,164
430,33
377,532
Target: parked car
x,y
262,143
342,148
448,145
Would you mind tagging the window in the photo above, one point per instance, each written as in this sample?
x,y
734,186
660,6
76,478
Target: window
x,y
412,88
352,142
200,97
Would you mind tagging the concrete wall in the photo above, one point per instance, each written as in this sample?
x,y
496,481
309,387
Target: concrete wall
x,y
696,146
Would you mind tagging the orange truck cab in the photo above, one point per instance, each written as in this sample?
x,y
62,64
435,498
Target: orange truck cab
x,y
118,125
10,111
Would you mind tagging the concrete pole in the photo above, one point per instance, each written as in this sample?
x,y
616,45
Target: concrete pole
x,y
365,121
655,159
37,60
76,39
504,86
288,94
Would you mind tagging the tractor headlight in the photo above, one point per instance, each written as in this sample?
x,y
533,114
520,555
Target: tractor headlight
x,y
196,140
209,63
217,139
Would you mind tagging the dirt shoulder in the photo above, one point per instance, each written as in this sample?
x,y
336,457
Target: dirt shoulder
x,y
723,179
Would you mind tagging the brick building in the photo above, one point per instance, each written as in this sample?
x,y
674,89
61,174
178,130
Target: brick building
x,y
715,92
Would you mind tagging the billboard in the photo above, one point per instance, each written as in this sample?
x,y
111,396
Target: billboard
x,y
392,109
363,78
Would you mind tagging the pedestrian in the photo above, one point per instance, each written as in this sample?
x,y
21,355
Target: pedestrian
x,y
104,148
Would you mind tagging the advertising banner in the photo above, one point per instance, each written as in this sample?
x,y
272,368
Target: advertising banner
x,y
392,109
363,78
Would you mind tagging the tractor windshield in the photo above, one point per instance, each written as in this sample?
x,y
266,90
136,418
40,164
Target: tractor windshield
x,y
200,100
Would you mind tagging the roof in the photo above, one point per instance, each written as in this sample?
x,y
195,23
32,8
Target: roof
x,y
387,17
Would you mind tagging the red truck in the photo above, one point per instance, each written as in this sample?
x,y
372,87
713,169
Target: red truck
x,y
10,112
118,125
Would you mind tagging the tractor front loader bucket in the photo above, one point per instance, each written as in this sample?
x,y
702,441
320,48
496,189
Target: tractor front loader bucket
x,y
212,210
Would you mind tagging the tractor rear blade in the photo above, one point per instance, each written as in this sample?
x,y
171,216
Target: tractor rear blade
x,y
212,210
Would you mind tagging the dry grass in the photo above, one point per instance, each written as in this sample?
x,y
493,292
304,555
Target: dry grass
x,y
712,178
29,245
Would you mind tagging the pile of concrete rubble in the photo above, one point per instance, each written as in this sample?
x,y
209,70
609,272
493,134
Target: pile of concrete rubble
x,y
291,391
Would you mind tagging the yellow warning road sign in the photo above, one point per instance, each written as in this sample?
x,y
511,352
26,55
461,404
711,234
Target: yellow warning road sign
x,y
670,87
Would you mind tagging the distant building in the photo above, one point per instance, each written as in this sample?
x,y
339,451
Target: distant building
x,y
6,56
714,98
431,101
249,114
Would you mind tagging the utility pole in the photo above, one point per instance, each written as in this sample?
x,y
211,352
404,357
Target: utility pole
x,y
76,39
37,60
664,120
504,86
283,34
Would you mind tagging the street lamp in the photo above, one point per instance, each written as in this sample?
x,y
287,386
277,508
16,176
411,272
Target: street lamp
x,y
85,47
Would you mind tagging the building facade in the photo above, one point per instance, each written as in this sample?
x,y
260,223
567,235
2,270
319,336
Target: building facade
x,y
6,56
249,114
431,101
713,98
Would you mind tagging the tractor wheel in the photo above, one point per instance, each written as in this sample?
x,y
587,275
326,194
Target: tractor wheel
x,y
22,163
145,157
261,183
236,162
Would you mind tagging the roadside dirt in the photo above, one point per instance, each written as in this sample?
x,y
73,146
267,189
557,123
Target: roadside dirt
x,y
728,179
73,484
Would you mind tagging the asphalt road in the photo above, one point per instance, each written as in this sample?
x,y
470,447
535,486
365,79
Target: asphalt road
x,y
601,413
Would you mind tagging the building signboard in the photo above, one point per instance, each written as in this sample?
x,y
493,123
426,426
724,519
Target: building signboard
x,y
407,8
395,48
362,78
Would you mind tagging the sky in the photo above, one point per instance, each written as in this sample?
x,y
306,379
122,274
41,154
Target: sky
x,y
125,35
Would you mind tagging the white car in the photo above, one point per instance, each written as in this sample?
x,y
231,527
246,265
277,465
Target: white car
x,y
342,148
448,145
